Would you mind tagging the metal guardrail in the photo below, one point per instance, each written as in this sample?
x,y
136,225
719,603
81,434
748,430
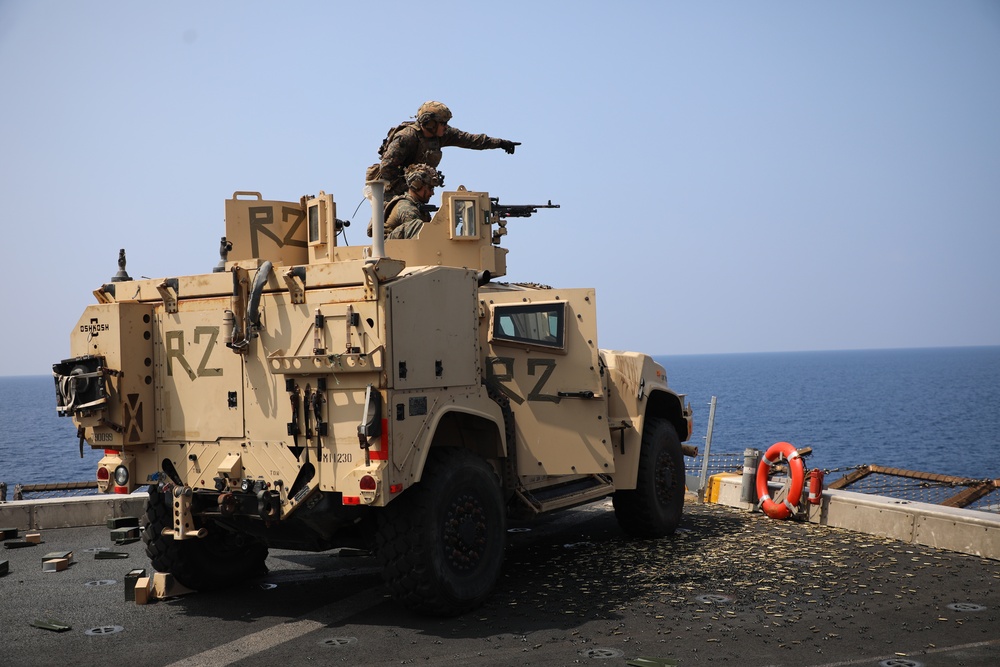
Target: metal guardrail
x,y
713,464
49,490
52,490
926,487
982,495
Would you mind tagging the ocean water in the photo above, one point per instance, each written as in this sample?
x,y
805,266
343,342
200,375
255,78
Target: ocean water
x,y
36,445
933,410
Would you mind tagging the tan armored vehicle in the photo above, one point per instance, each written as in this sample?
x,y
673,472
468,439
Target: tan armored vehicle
x,y
309,395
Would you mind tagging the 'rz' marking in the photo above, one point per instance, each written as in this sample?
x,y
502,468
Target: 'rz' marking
x,y
262,217
506,374
173,343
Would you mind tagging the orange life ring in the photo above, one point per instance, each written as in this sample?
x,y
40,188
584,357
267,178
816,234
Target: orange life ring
x,y
778,451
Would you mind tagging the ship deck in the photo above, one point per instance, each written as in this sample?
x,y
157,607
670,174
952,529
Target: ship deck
x,y
730,587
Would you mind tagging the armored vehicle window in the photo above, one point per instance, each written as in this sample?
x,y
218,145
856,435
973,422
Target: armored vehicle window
x,y
537,324
314,224
463,224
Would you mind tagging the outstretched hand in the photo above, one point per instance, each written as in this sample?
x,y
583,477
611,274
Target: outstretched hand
x,y
509,146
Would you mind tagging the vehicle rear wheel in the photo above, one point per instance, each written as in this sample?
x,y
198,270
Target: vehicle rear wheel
x,y
654,508
220,559
441,545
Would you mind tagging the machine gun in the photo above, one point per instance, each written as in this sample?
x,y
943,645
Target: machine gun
x,y
517,210
502,210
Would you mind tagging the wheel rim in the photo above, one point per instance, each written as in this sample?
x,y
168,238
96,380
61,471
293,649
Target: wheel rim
x,y
465,532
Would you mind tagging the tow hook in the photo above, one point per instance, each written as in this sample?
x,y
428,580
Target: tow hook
x,y
183,518
268,505
227,504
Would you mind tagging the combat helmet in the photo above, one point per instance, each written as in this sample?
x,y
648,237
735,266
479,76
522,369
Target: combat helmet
x,y
433,111
422,173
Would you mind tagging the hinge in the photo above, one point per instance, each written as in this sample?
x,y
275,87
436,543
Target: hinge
x,y
168,292
295,280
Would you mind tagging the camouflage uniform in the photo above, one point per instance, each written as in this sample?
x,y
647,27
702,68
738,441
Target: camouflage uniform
x,y
405,214
410,146
406,217
406,145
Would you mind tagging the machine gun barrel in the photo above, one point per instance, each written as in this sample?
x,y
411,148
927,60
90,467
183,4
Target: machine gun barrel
x,y
518,210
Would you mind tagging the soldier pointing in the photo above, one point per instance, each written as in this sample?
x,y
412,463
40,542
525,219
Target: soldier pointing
x,y
421,142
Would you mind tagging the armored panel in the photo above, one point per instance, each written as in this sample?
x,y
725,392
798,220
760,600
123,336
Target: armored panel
x,y
118,337
199,381
271,230
543,356
434,329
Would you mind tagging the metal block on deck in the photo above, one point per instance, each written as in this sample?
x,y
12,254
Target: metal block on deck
x,y
55,565
165,586
50,624
122,522
120,535
141,590
17,544
58,555
131,582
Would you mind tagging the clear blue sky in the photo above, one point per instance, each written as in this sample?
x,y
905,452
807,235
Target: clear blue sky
x,y
734,176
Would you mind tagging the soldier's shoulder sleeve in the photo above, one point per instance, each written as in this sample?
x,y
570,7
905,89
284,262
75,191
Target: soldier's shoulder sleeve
x,y
455,137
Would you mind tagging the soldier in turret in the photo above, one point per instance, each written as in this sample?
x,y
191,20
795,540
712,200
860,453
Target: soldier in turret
x,y
405,214
421,142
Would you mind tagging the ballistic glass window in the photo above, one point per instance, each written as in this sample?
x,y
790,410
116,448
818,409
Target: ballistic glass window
x,y
464,219
313,223
536,323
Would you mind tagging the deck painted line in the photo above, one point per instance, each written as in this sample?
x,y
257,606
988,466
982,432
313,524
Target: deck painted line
x,y
249,646
874,660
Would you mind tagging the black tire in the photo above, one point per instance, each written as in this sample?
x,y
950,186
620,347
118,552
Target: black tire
x,y
441,544
654,508
220,559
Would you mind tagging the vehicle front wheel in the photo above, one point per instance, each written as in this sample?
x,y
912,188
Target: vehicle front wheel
x,y
441,544
654,508
220,559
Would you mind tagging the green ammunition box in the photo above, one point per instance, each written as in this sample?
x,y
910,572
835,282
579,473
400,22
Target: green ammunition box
x,y
120,535
17,544
130,579
123,522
